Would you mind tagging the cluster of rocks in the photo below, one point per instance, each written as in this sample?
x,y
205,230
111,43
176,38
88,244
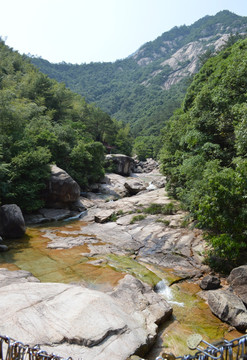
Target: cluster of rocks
x,y
145,166
125,165
71,320
62,195
229,304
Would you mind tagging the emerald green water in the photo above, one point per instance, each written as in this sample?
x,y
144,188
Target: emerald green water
x,y
191,314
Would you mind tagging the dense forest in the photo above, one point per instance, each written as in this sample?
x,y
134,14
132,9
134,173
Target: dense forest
x,y
42,122
204,153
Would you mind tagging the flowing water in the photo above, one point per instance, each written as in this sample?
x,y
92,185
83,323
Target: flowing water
x,y
191,314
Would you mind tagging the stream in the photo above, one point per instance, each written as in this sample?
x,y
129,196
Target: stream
x,y
71,252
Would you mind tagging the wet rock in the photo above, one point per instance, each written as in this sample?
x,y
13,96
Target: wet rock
x,y
134,186
3,248
12,224
238,282
229,308
49,215
19,276
120,164
210,282
71,320
62,190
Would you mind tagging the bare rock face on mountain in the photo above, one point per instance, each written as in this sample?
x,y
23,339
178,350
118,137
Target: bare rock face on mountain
x,y
12,224
62,191
71,320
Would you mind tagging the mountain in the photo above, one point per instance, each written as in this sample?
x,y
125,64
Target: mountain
x,y
145,88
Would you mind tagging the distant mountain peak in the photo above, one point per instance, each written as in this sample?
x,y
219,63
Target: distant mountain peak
x,y
130,89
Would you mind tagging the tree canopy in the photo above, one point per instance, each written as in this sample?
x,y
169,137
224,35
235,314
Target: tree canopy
x,y
43,122
204,153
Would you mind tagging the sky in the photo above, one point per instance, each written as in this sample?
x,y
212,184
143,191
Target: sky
x,y
84,31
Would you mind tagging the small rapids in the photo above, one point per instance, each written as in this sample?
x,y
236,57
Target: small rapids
x,y
164,289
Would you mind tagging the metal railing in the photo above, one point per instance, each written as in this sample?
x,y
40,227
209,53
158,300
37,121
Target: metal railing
x,y
11,349
235,349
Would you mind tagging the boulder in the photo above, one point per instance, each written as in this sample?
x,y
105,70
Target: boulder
x,y
70,320
12,224
119,163
113,186
62,190
134,186
103,216
229,308
210,282
238,282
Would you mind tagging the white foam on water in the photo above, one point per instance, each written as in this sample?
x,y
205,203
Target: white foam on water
x,y
164,289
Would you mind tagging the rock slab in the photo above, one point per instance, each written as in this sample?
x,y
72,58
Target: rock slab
x,y
70,320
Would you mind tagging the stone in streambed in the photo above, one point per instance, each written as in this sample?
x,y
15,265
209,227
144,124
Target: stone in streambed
x,y
12,224
238,282
134,186
229,308
210,282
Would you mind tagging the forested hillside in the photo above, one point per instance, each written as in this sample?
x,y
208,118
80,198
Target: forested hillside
x,y
145,88
205,150
42,122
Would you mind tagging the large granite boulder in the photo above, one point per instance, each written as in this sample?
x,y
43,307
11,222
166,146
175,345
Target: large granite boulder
x,y
12,224
238,282
112,185
229,308
62,190
210,282
134,186
119,163
70,320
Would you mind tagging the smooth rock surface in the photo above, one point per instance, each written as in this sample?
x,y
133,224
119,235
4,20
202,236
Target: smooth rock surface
x,y
229,308
238,282
12,223
71,320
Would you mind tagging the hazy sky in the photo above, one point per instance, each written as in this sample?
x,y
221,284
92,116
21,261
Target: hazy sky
x,y
81,31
